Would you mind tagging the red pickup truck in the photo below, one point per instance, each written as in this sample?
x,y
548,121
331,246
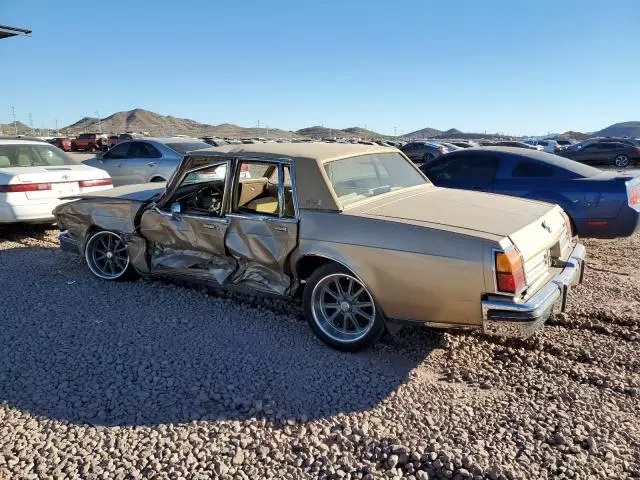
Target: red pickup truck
x,y
89,142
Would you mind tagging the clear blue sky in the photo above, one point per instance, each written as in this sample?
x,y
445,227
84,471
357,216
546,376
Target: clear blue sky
x,y
519,67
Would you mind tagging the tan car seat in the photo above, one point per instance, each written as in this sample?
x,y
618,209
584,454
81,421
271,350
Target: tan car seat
x,y
264,205
250,189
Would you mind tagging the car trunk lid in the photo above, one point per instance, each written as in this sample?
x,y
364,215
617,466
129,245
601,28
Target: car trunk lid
x,y
63,180
537,229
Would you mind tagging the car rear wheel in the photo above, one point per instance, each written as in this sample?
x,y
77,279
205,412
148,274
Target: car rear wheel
x,y
107,256
341,310
91,148
622,161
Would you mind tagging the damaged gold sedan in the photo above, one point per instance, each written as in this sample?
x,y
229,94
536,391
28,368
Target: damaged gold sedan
x,y
356,230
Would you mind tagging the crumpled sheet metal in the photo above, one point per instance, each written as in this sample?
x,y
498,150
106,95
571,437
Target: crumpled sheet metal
x,y
137,248
243,253
108,214
192,262
261,253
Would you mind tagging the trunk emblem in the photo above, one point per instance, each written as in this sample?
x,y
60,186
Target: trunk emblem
x,y
546,227
65,177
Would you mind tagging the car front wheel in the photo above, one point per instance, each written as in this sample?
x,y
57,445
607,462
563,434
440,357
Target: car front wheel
x,y
341,310
107,256
622,161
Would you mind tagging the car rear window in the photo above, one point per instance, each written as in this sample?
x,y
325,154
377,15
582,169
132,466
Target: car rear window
x,y
576,168
357,178
44,155
184,147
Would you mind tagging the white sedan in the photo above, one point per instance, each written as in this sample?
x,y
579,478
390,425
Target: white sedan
x,y
35,176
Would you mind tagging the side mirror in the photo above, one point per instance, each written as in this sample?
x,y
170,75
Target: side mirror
x,y
175,208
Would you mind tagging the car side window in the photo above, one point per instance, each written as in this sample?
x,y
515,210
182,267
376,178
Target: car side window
x,y
143,150
527,169
477,168
117,153
258,193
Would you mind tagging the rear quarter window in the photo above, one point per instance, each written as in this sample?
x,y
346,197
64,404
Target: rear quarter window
x,y
528,169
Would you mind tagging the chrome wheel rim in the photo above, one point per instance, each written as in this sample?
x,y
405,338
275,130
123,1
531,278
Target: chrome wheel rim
x,y
107,255
622,161
343,308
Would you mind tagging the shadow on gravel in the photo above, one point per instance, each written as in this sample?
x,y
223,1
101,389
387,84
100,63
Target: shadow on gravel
x,y
22,232
143,353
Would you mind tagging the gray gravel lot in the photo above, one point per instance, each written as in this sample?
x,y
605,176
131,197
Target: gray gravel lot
x,y
150,379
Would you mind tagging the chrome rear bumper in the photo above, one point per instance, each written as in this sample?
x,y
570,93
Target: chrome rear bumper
x,y
508,318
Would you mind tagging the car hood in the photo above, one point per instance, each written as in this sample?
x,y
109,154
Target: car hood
x,y
144,192
455,209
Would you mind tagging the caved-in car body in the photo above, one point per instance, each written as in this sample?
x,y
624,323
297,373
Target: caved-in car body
x,y
357,230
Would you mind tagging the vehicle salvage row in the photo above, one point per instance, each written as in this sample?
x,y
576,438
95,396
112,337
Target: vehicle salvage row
x,y
359,233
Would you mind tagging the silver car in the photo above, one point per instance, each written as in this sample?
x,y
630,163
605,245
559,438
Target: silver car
x,y
144,159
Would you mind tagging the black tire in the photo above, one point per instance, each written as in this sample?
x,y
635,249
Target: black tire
x,y
157,180
621,161
124,273
91,148
314,288
74,147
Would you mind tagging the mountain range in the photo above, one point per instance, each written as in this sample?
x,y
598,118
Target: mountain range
x,y
140,120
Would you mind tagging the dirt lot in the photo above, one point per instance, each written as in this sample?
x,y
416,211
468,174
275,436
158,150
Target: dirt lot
x,y
148,379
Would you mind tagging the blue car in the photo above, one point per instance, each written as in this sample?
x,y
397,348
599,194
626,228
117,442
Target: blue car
x,y
601,204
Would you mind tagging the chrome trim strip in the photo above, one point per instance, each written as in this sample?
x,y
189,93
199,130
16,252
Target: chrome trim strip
x,y
280,190
509,318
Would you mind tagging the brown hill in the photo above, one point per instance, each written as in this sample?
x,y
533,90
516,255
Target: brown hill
x,y
140,120
427,132
318,132
9,129
575,135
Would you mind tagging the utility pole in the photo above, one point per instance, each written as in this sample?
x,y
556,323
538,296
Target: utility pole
x,y
57,131
99,124
395,131
15,125
31,123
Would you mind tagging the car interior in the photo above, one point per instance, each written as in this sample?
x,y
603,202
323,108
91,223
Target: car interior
x,y
258,195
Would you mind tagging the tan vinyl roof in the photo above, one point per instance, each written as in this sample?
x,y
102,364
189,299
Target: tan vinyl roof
x,y
312,185
317,152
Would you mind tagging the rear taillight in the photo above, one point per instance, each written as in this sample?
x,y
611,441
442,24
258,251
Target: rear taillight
x,y
633,192
567,222
95,183
637,149
509,271
25,187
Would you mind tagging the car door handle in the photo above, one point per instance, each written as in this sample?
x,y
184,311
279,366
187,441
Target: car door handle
x,y
152,164
279,228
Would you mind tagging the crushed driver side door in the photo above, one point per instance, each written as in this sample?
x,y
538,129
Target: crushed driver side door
x,y
183,239
263,228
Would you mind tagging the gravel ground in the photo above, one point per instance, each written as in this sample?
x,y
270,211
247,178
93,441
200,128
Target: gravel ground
x,y
149,379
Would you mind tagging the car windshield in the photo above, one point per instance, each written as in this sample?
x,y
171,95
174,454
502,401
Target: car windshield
x,y
358,178
25,155
184,147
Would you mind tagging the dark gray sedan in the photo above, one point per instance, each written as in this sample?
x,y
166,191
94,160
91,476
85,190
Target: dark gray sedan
x,y
618,153
423,152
